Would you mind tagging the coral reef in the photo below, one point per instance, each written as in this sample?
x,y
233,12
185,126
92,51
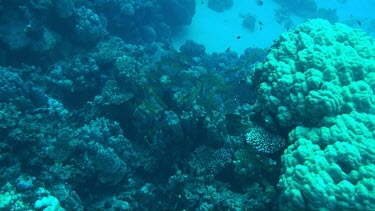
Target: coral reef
x,y
249,21
99,112
220,6
318,83
123,126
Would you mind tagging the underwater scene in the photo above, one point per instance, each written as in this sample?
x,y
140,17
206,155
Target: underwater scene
x,y
202,105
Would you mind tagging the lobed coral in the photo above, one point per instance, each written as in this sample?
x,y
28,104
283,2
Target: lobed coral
x,y
318,81
331,166
315,71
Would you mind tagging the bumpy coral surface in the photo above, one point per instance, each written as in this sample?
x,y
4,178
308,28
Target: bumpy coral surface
x,y
319,80
315,71
331,167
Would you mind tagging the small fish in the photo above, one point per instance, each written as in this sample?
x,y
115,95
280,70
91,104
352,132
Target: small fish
x,y
227,50
260,25
359,23
238,37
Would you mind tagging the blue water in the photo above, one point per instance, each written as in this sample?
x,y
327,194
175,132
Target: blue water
x,y
187,105
217,30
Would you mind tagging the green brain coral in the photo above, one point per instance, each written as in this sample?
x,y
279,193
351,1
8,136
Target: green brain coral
x,y
319,81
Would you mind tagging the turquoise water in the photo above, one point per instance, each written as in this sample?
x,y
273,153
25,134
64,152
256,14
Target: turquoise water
x,y
187,105
219,29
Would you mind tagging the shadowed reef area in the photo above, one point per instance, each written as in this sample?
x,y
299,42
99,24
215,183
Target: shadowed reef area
x,y
98,111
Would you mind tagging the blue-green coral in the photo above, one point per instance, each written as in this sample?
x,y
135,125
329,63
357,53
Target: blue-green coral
x,y
315,71
319,81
